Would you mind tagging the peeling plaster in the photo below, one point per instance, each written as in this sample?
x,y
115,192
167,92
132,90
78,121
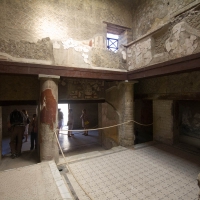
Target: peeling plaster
x,y
183,40
79,47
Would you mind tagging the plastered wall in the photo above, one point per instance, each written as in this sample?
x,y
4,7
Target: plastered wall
x,y
163,30
68,33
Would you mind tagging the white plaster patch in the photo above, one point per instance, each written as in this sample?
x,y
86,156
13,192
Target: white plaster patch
x,y
124,55
56,45
85,57
79,47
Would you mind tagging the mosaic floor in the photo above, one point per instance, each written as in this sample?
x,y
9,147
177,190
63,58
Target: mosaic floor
x,y
156,172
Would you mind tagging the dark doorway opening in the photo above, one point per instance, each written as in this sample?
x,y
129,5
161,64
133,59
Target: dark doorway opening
x,y
143,115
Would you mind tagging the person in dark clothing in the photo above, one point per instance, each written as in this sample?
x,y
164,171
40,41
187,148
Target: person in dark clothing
x,y
34,132
16,123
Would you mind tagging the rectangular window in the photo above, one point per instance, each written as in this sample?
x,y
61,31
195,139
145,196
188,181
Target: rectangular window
x,y
112,42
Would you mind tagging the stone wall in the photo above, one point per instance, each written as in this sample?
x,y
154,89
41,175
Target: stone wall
x,y
124,107
163,121
176,87
164,35
68,33
151,15
18,88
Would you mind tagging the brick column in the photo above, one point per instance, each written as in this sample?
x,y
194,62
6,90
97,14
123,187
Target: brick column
x,y
163,121
126,133
48,105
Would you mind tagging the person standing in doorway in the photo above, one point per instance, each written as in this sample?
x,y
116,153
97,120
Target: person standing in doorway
x,y
27,125
85,122
16,122
60,120
34,132
70,122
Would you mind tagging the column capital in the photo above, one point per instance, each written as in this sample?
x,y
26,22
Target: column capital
x,y
45,76
126,82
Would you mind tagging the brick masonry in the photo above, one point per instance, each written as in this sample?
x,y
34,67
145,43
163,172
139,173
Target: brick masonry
x,y
163,121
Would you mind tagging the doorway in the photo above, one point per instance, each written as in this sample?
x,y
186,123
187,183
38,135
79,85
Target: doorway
x,y
79,143
144,115
27,157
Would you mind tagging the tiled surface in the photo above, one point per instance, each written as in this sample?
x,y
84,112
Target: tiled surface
x,y
156,172
34,182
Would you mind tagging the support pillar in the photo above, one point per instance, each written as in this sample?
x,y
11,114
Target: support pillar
x,y
126,132
48,104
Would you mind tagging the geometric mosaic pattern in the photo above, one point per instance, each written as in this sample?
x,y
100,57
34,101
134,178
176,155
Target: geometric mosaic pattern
x,y
157,172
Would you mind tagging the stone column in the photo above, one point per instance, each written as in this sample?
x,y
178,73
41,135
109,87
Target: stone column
x,y
126,132
48,105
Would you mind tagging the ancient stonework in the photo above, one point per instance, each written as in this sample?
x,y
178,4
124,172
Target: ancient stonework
x,y
106,58
179,38
81,89
139,54
182,41
42,50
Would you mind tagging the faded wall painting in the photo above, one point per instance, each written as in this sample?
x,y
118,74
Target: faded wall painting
x,y
190,119
81,89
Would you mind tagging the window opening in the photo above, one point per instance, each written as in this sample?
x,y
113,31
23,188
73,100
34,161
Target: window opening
x,y
112,42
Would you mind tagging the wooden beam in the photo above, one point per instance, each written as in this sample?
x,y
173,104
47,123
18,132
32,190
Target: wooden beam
x,y
7,67
179,65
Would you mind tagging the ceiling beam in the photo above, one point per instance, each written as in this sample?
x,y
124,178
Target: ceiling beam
x,y
7,67
179,65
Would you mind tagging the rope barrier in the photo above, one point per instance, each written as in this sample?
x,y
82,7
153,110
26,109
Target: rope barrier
x,y
67,165
107,127
65,161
